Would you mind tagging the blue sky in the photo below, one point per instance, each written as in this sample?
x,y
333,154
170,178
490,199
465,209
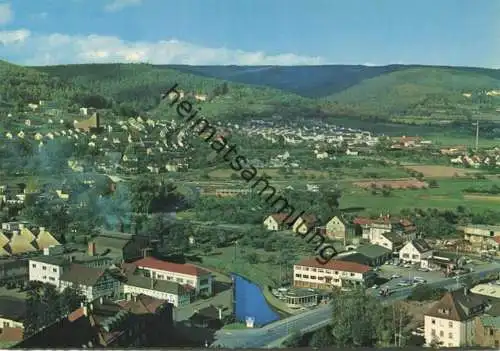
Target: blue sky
x,y
253,32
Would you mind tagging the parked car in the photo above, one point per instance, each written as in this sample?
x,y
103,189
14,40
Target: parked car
x,y
395,276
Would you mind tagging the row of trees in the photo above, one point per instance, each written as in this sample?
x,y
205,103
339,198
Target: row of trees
x,y
44,305
360,320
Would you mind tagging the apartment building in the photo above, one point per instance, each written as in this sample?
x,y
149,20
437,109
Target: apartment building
x,y
310,273
480,235
450,322
185,274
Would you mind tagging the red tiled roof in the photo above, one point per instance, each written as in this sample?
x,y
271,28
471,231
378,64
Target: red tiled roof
x,y
182,268
76,314
11,334
337,265
497,239
362,221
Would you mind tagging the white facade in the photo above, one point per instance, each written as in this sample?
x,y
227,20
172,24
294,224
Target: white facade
x,y
449,333
5,322
201,284
106,286
409,253
45,272
176,300
271,224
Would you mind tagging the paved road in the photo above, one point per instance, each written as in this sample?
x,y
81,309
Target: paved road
x,y
270,334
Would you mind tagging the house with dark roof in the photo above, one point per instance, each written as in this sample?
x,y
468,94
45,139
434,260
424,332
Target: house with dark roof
x,y
487,333
144,321
339,228
122,247
309,273
209,317
170,291
185,274
91,282
370,228
12,316
415,251
451,321
374,255
390,240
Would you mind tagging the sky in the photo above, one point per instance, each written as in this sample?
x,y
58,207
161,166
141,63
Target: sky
x,y
252,32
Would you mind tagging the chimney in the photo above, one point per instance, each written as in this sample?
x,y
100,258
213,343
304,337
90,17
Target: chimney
x,y
91,248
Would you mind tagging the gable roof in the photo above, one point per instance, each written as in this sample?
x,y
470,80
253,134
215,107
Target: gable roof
x,y
283,218
182,268
421,245
82,275
394,238
458,306
373,251
45,239
142,305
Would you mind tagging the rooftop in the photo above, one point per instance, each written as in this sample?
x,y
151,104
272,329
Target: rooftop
x,y
182,268
490,290
337,265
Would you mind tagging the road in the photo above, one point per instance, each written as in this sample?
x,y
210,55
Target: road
x,y
270,334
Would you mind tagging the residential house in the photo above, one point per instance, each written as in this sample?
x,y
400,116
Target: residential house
x,y
186,274
440,260
278,221
208,318
90,282
304,224
371,229
106,324
309,273
121,246
479,235
390,240
487,333
415,251
493,244
450,322
12,316
339,228
170,291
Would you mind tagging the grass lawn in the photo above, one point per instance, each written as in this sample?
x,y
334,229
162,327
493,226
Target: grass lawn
x,y
449,195
233,326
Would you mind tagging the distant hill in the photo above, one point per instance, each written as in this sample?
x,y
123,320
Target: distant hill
x,y
424,92
396,92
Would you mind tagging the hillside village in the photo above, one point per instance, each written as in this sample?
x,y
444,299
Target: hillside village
x,y
120,271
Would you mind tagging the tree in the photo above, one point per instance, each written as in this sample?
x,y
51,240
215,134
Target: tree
x,y
322,338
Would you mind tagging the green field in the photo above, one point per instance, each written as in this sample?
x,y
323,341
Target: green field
x,y
449,195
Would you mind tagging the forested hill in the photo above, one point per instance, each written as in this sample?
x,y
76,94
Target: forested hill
x,y
313,81
130,89
391,92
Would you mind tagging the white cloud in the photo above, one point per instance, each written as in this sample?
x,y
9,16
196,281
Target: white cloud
x,y
6,14
65,49
10,37
117,5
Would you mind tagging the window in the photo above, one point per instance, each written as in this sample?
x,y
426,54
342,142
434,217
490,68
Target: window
x,y
450,324
44,268
298,275
414,257
450,335
497,344
492,332
406,255
305,276
313,277
433,321
54,269
441,333
433,332
52,278
352,274
313,269
33,265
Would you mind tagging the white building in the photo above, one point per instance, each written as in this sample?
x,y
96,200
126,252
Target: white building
x,y
415,251
309,273
450,322
185,274
169,291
